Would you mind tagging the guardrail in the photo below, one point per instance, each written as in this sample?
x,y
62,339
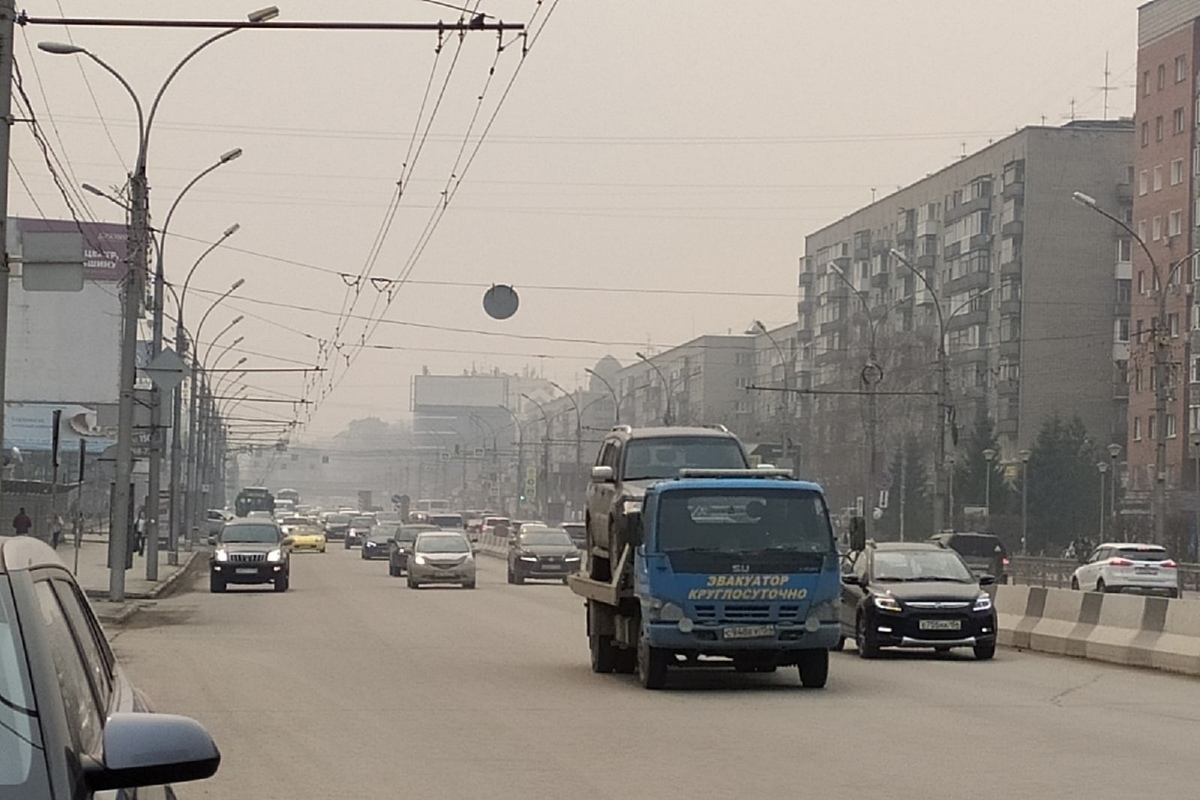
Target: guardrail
x,y
1056,573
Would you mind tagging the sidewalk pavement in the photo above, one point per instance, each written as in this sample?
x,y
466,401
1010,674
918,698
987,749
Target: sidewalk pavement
x,y
93,576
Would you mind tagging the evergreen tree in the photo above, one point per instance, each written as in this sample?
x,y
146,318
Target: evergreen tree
x,y
1064,486
910,481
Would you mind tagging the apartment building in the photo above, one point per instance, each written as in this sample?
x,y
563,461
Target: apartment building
x,y
1166,163
1027,290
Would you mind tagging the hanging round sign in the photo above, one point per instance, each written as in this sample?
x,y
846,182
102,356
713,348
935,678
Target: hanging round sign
x,y
500,302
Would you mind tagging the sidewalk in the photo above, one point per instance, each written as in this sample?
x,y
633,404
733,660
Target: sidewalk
x,y
93,576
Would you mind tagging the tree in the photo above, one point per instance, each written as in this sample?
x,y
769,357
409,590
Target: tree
x,y
971,470
910,492
1064,486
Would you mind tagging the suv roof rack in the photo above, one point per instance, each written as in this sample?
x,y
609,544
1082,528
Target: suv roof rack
x,y
735,473
622,427
716,426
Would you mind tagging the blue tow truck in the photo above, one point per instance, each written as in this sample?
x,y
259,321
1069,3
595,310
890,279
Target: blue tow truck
x,y
736,564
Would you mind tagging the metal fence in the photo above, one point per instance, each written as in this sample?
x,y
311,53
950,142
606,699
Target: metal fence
x,y
1057,572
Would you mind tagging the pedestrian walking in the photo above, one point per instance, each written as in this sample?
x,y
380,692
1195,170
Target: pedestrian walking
x,y
22,523
140,532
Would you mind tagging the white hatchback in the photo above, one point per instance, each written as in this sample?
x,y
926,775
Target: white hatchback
x,y
1128,567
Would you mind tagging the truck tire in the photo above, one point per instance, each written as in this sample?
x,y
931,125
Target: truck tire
x,y
813,666
625,661
604,655
651,664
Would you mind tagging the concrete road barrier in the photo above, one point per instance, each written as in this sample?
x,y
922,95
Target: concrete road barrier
x,y
1115,628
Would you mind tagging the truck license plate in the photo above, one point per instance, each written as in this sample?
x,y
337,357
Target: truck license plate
x,y
245,570
749,631
941,624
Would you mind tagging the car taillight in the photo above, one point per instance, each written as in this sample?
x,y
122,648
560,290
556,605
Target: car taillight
x,y
1120,562
1168,563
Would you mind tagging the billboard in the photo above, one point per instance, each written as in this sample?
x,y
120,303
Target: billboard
x,y
476,391
30,427
104,243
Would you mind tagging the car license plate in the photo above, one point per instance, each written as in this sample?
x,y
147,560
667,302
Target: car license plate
x,y
1145,570
941,624
245,570
749,631
552,567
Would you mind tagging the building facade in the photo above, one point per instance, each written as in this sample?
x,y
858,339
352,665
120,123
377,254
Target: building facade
x,y
991,259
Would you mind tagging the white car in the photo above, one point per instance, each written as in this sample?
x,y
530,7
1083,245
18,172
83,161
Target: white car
x,y
1126,566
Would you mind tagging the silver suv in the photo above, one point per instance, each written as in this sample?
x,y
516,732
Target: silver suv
x,y
629,461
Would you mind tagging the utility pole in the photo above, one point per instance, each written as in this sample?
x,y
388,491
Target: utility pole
x,y
7,15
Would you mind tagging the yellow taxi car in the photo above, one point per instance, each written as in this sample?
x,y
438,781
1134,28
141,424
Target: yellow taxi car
x,y
307,537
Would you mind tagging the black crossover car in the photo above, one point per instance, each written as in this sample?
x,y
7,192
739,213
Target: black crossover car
x,y
900,594
71,725
250,550
538,552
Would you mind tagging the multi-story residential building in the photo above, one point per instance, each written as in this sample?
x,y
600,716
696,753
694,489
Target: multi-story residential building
x,y
1027,290
1166,163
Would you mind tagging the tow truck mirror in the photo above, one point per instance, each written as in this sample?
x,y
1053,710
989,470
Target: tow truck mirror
x,y
858,533
602,474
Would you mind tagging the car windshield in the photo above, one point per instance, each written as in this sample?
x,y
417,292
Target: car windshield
x,y
663,458
443,544
337,519
1154,554
294,521
977,546
546,537
21,760
257,534
362,522
306,530
383,530
446,520
746,520
921,565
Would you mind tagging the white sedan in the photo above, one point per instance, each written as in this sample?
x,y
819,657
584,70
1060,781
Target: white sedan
x,y
1125,566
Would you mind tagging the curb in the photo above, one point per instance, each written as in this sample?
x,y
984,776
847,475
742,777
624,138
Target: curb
x,y
154,591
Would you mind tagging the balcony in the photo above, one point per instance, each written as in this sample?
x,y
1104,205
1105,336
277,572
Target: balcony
x,y
807,279
952,250
804,335
1013,228
966,319
976,355
841,262
862,253
1124,193
966,209
981,241
972,280
880,246
1013,190
1122,308
880,280
926,261
1008,388
1010,349
1006,427
833,326
1010,308
906,236
1011,268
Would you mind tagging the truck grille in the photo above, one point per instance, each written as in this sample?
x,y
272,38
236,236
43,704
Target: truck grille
x,y
740,612
247,558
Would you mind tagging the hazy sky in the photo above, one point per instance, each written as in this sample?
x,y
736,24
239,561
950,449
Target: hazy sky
x,y
645,148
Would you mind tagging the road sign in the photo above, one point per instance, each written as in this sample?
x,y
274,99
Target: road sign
x,y
166,370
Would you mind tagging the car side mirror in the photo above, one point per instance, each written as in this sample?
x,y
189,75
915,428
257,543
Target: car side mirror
x,y
602,474
212,541
391,540
852,580
142,749
288,541
987,580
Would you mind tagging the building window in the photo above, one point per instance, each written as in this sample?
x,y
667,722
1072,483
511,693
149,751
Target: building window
x,y
1143,182
1145,133
1141,282
1156,232
1179,121
1124,290
1171,426
1196,369
1158,128
1194,418
1141,230
1162,77
1124,251
1177,172
1122,376
1158,178
1173,324
1146,83
1137,379
1180,69
1122,330
1137,429
1175,224
1150,420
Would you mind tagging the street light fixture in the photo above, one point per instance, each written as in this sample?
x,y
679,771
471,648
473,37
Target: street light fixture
x,y
575,489
545,457
989,455
611,390
668,417
1114,450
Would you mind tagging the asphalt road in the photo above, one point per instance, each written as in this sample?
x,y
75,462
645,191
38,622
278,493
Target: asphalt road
x,y
352,686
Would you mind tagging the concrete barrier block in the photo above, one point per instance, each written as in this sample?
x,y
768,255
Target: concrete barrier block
x,y
1178,648
1118,638
1058,628
1011,606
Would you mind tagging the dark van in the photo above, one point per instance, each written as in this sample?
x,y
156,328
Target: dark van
x,y
983,552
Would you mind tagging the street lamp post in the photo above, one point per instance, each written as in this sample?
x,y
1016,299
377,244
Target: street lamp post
x,y
989,455
1114,450
1025,455
575,489
1160,335
785,405
668,418
520,431
545,457
611,390
1102,468
138,240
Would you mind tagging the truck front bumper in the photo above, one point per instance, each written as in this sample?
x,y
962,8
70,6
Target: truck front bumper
x,y
725,638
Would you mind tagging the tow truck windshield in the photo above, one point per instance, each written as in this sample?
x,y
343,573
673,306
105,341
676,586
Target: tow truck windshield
x,y
743,521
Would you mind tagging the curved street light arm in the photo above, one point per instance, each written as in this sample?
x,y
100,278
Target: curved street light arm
x,y
937,304
866,304
230,231
611,390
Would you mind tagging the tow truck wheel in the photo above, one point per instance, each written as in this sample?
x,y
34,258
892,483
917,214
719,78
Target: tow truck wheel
x,y
651,664
813,666
625,661
604,655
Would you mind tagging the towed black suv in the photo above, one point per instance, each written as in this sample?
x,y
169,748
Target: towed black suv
x,y
250,550
910,594
984,553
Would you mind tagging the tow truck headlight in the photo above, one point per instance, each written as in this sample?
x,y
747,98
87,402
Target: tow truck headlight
x,y
275,555
885,603
824,612
665,612
983,603
631,505
222,555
